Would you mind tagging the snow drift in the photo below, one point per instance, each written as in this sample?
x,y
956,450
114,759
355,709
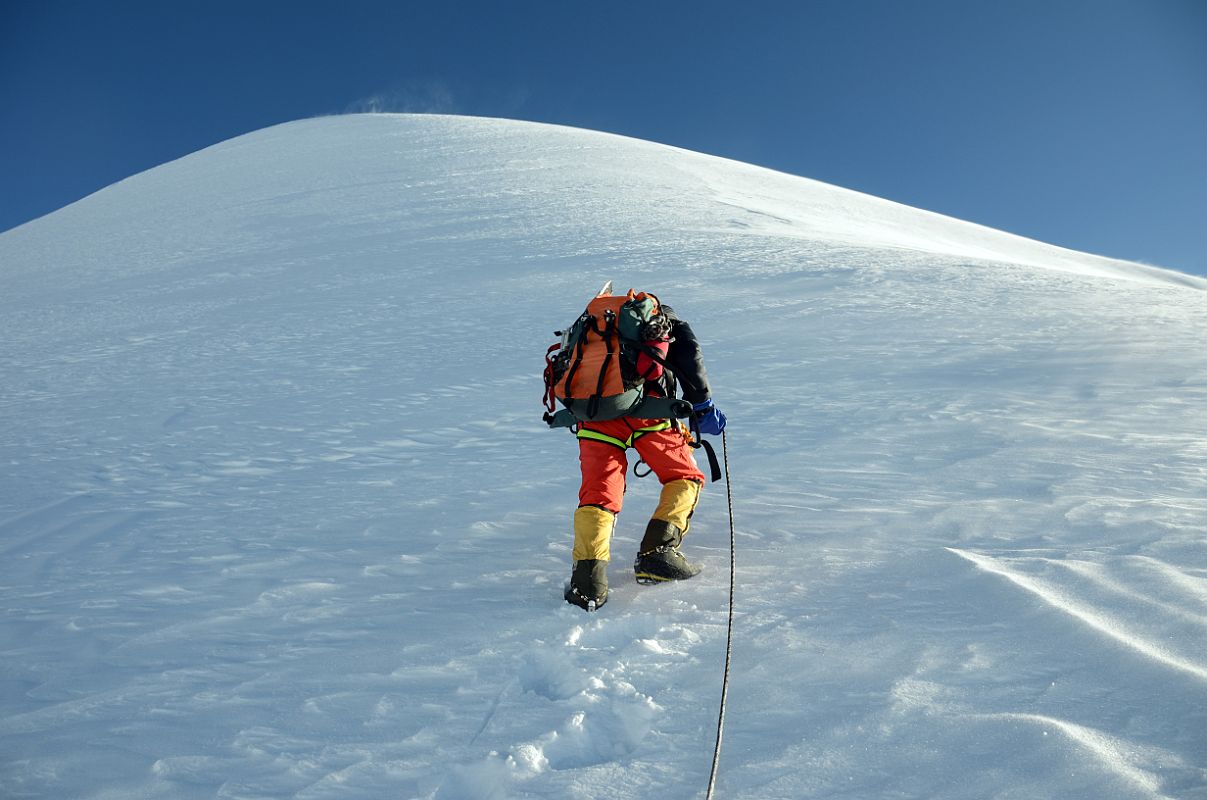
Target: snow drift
x,y
279,517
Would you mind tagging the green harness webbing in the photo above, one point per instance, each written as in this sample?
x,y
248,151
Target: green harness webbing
x,y
623,444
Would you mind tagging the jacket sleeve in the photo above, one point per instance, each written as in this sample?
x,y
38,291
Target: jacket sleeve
x,y
686,361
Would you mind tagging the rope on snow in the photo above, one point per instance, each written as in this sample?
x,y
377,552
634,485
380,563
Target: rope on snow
x,y
716,756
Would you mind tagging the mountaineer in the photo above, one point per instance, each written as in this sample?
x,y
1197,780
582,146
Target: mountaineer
x,y
617,372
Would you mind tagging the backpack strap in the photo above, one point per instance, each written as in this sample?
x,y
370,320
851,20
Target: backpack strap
x,y
550,383
578,358
562,418
609,334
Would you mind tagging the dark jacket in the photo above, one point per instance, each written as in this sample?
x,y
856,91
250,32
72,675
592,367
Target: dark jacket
x,y
685,361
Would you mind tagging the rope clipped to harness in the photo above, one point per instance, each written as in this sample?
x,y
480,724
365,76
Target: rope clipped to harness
x,y
697,442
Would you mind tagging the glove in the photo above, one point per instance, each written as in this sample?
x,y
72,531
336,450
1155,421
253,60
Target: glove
x,y
709,418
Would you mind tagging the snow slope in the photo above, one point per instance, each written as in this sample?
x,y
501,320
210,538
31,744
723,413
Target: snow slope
x,y
279,519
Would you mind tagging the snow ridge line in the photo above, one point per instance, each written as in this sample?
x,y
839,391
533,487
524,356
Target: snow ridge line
x,y
1094,574
1113,753
1083,613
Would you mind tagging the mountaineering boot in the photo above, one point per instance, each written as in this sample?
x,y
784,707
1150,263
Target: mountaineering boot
x,y
664,564
659,558
588,588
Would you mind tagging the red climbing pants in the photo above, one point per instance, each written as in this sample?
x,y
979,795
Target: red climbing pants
x,y
603,456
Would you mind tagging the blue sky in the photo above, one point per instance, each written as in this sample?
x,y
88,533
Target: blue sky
x,y
1078,122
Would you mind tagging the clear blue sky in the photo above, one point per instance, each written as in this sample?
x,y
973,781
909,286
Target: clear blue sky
x,y
1078,122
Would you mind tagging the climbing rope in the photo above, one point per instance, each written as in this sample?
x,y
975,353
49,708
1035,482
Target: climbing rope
x,y
716,756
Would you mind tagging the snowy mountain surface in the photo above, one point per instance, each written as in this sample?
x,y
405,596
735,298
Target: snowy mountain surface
x,y
279,517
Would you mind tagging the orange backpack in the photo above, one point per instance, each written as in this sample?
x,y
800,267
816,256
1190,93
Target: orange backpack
x,y
592,370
